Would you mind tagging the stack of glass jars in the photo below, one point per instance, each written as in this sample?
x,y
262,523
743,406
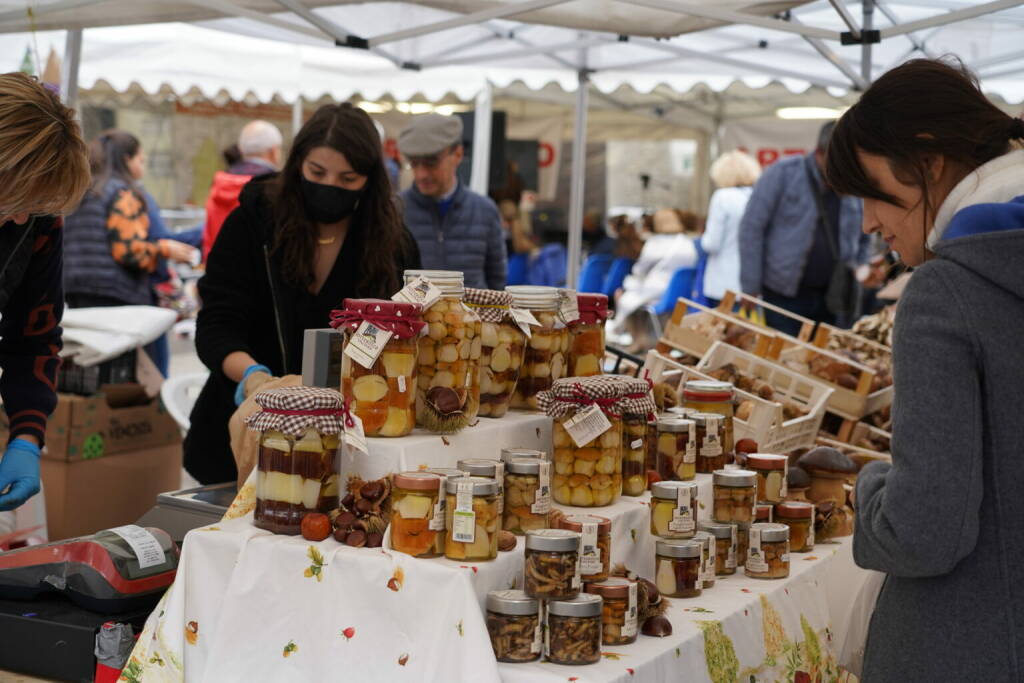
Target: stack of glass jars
x,y
546,357
502,347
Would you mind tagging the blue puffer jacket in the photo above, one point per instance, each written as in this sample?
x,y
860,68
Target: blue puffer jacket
x,y
469,238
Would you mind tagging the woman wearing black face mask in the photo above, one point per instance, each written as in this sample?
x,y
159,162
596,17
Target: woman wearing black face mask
x,y
323,229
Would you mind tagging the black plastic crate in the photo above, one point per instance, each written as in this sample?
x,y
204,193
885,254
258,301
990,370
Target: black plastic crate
x,y
75,379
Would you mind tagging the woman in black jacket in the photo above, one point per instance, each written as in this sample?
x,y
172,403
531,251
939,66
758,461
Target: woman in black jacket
x,y
327,227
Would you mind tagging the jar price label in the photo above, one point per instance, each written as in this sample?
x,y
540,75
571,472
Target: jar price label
x,y
682,516
587,425
568,307
525,320
712,446
691,446
401,384
730,559
464,519
591,553
499,476
419,291
755,557
437,522
535,646
355,436
636,444
365,345
631,617
542,501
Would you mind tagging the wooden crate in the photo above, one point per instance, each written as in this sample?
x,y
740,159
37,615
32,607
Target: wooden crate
x,y
850,404
732,299
682,332
826,332
764,416
811,395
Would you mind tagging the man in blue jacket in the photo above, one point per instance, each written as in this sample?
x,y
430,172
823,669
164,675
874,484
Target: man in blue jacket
x,y
455,228
786,255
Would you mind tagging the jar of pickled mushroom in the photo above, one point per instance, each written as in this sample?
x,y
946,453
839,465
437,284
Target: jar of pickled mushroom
x,y
799,517
768,552
711,396
771,475
586,353
735,495
679,569
378,363
502,344
619,615
527,494
726,545
588,434
488,469
711,455
677,448
595,544
514,625
297,467
472,521
634,454
674,508
417,520
448,386
707,557
551,568
546,357
573,635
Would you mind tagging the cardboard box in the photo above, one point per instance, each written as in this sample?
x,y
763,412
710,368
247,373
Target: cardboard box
x,y
121,419
85,496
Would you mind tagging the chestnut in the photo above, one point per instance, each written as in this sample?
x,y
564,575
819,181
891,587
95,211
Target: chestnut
x,y
348,501
344,521
356,539
374,540
340,534
657,626
363,507
372,490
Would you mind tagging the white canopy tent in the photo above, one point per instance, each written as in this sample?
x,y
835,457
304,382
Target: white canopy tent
x,y
648,44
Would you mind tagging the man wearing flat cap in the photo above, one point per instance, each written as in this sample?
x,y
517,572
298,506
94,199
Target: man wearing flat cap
x,y
455,228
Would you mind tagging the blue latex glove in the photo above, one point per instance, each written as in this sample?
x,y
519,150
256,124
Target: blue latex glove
x,y
19,474
240,389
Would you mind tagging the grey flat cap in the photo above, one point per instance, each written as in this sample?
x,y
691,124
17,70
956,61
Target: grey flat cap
x,y
430,134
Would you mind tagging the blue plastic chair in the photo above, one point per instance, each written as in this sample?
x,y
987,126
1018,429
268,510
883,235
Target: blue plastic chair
x,y
592,276
518,264
681,284
616,276
548,267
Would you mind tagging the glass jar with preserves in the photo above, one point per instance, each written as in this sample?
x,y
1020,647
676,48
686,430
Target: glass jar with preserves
x,y
417,514
768,552
527,495
488,469
297,466
707,542
678,571
546,357
771,476
574,630
514,625
586,333
378,364
619,615
651,446
551,567
634,453
711,455
726,545
501,352
799,517
595,544
710,396
448,386
677,448
472,521
674,509
763,512
735,495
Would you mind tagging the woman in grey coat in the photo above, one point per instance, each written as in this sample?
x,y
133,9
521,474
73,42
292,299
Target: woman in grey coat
x,y
942,179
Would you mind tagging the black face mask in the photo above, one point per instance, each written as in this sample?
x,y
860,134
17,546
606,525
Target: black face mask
x,y
327,203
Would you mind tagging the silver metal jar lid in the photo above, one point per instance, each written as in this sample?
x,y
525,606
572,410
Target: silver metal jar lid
x,y
702,418
718,529
673,424
736,478
518,465
687,550
708,386
772,533
449,472
535,297
669,490
553,540
508,454
513,602
481,486
583,605
478,467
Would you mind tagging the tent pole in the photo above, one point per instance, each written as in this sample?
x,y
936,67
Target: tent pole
x,y
479,177
579,172
69,72
867,24
297,116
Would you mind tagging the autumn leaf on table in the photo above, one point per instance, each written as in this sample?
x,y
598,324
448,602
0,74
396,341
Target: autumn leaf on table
x,y
631,672
347,633
290,648
317,568
156,659
697,609
458,627
403,659
396,580
632,534
192,632
614,656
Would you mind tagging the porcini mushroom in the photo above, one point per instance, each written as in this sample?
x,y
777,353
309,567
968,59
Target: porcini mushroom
x,y
829,469
797,483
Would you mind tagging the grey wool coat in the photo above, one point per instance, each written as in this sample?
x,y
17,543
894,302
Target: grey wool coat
x,y
945,521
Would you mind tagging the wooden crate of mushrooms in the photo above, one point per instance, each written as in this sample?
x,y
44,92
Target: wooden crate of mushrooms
x,y
693,328
801,401
733,300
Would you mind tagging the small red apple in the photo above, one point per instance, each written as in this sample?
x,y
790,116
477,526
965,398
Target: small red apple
x,y
316,526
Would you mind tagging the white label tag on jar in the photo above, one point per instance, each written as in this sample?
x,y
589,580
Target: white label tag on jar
x,y
146,547
542,499
364,346
755,557
785,557
636,444
691,446
355,436
631,616
419,291
536,644
437,522
785,479
464,519
810,532
587,425
591,553
499,476
568,307
577,576
401,384
525,319
712,446
730,558
682,516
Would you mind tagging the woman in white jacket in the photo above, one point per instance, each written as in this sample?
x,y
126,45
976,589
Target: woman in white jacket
x,y
735,174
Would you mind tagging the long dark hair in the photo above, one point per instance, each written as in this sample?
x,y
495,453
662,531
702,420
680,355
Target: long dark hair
x,y
350,131
108,158
919,109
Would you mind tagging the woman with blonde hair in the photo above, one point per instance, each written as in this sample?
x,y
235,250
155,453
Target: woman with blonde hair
x,y
44,170
734,173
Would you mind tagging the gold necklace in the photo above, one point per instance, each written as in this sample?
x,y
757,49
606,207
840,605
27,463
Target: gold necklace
x,y
328,240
